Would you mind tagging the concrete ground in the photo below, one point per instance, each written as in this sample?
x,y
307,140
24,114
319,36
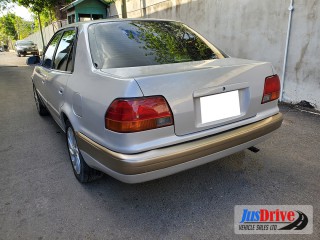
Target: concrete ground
x,y
41,199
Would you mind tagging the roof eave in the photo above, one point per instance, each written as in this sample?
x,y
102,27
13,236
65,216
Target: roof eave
x,y
74,3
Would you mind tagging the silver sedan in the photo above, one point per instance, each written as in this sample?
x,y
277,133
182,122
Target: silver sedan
x,y
143,99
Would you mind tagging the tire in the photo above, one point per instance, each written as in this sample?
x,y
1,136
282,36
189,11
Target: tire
x,y
19,55
81,170
41,108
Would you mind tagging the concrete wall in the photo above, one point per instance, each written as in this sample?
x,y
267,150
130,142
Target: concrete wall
x,y
251,29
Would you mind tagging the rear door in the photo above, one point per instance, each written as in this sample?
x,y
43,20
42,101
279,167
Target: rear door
x,y
61,70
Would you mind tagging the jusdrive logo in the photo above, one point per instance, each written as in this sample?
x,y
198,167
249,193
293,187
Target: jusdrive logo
x,y
296,220
273,219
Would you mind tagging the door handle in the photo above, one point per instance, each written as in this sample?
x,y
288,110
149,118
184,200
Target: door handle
x,y
43,81
61,91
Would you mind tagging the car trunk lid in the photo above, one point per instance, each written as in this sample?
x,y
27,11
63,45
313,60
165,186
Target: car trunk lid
x,y
206,94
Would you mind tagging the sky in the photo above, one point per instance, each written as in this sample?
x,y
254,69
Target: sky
x,y
20,11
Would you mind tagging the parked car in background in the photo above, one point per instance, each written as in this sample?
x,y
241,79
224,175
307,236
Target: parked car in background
x,y
25,47
141,99
4,48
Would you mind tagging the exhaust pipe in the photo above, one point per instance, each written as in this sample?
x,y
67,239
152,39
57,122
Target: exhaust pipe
x,y
254,149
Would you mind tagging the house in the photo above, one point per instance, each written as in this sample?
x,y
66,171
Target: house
x,y
86,10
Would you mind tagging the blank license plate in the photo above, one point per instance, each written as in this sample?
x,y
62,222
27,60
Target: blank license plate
x,y
219,106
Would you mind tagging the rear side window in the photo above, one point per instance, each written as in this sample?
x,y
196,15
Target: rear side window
x,y
48,55
64,50
143,43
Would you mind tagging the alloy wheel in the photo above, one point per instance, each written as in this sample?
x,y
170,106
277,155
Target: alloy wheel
x,y
73,150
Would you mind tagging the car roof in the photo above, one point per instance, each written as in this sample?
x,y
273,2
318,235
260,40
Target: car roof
x,y
87,23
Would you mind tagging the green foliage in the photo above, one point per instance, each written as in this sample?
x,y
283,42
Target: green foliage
x,y
45,18
14,28
7,26
38,6
42,9
23,28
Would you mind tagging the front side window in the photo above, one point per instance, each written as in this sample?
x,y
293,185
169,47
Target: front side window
x,y
64,50
48,56
142,43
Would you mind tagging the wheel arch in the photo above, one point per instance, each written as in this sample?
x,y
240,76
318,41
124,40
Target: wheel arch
x,y
66,114
64,119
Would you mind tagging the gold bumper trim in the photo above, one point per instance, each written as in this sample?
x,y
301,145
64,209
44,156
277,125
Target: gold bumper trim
x,y
152,160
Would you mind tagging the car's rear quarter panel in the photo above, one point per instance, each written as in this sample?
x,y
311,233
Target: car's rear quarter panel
x,y
89,93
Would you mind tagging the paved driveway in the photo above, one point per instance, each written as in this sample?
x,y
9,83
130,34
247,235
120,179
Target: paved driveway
x,y
41,199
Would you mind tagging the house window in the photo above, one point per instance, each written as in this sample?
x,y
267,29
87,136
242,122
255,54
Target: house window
x,y
71,19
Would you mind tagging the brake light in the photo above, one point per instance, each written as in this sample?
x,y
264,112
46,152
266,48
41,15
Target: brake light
x,y
271,90
138,114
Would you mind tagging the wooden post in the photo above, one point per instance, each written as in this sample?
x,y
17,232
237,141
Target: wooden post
x,y
124,9
40,26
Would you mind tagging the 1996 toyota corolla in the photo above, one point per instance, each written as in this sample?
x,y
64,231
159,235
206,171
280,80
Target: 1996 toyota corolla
x,y
142,99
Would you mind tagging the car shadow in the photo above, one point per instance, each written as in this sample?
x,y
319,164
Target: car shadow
x,y
197,194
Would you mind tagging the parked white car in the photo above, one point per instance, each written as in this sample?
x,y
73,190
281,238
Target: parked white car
x,y
143,99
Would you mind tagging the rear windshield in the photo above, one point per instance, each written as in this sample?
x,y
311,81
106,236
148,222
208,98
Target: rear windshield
x,y
143,43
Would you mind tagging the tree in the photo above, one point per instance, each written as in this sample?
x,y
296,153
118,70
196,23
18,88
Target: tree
x,y
23,28
13,27
44,8
7,23
3,4
37,6
59,15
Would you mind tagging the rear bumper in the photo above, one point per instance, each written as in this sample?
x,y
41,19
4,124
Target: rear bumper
x,y
133,168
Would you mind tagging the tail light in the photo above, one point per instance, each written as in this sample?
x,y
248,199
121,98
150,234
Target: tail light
x,y
138,114
271,90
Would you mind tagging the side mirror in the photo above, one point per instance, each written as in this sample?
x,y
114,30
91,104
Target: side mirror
x,y
33,60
